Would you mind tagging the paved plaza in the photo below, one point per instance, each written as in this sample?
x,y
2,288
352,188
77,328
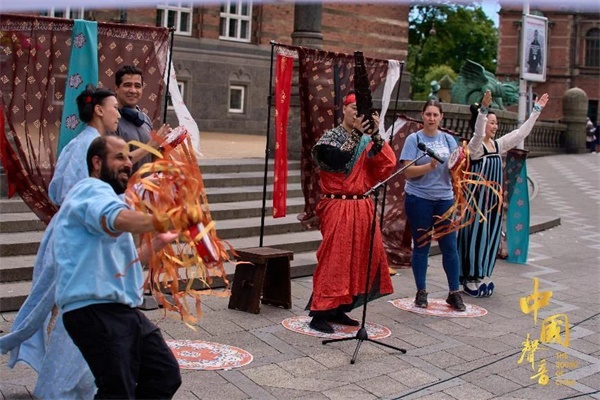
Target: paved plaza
x,y
446,358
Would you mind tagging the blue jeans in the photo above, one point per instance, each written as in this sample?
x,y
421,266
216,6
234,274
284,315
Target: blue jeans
x,y
420,216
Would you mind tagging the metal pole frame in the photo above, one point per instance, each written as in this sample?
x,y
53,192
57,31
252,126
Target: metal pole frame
x,y
169,61
267,151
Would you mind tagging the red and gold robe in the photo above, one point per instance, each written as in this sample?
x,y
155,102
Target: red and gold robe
x,y
342,257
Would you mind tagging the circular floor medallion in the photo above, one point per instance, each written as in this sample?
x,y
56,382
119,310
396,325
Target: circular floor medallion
x,y
299,324
439,308
198,354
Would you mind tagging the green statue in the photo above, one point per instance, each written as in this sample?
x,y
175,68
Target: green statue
x,y
474,80
435,88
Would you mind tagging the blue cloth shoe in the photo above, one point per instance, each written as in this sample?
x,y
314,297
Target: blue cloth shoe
x,y
490,289
482,290
471,289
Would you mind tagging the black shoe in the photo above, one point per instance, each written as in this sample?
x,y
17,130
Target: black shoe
x,y
342,319
421,299
456,302
319,324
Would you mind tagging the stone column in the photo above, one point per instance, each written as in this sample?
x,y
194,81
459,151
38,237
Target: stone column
x,y
307,33
307,24
575,105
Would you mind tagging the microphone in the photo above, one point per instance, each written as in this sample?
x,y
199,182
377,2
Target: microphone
x,y
423,147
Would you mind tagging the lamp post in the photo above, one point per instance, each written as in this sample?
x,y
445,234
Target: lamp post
x,y
522,111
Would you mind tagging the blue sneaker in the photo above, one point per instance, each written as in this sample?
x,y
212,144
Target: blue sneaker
x,y
490,289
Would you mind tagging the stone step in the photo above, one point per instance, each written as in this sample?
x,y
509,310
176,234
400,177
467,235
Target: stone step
x,y
19,243
215,195
245,227
28,221
20,267
20,222
252,208
13,294
212,166
247,193
16,268
297,242
14,205
27,243
286,233
236,179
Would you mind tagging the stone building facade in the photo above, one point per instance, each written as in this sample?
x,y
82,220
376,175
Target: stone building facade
x,y
222,53
573,57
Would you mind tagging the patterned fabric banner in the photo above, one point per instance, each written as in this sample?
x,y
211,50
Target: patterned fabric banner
x,y
517,215
283,87
324,79
33,73
395,232
83,70
7,162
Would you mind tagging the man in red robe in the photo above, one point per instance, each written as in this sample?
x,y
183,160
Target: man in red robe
x,y
351,160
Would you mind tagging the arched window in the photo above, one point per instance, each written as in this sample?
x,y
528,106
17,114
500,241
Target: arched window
x,y
592,48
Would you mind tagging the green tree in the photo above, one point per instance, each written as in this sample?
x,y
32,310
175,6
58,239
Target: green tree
x,y
437,72
434,73
448,35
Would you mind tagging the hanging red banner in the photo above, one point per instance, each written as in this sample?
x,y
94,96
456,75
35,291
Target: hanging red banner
x,y
283,88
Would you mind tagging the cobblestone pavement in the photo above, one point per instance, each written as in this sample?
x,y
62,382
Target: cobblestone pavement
x,y
447,358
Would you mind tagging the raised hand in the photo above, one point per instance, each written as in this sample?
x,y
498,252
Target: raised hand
x,y
360,123
375,123
163,239
487,99
163,131
542,100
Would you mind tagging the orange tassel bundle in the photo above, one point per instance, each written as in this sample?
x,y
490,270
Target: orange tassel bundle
x,y
172,187
465,210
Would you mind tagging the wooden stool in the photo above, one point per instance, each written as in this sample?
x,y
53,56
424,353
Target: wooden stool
x,y
268,276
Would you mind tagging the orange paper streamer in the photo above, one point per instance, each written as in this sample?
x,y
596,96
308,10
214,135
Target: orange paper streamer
x,y
172,187
465,210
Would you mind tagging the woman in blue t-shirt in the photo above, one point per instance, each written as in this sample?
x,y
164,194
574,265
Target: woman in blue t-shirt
x,y
429,193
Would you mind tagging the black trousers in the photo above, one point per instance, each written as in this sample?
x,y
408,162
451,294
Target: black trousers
x,y
125,351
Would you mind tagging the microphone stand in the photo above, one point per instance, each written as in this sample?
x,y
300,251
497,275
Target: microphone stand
x,y
362,334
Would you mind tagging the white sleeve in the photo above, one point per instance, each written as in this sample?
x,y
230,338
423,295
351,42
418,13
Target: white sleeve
x,y
475,144
512,139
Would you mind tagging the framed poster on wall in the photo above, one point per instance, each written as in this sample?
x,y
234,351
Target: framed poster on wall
x,y
534,49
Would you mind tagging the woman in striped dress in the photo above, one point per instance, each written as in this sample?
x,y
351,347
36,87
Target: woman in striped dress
x,y
478,242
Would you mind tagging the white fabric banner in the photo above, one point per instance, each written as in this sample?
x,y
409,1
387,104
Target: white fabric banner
x,y
183,114
393,74
396,126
